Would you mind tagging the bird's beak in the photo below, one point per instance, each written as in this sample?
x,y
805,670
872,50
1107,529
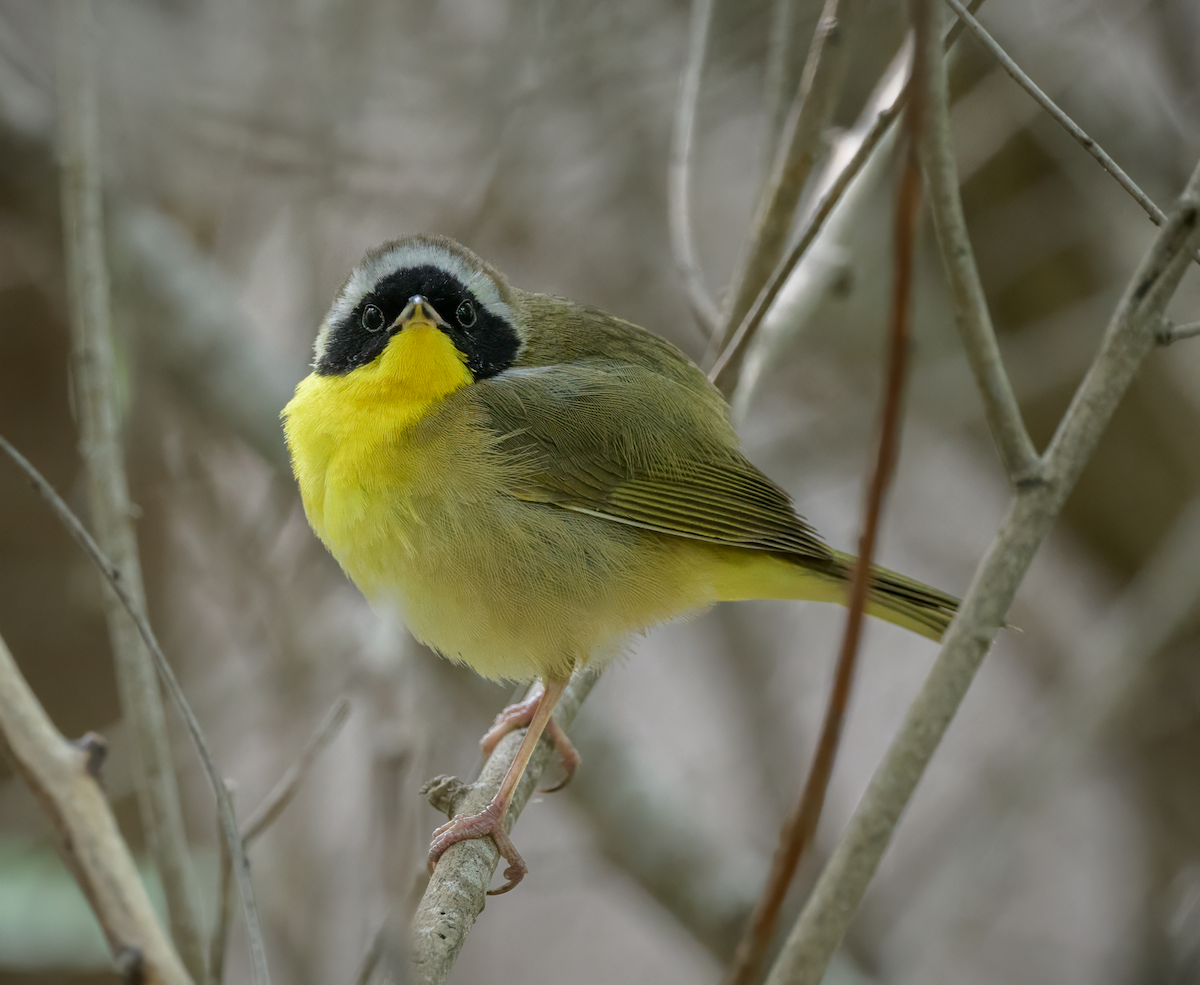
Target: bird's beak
x,y
418,311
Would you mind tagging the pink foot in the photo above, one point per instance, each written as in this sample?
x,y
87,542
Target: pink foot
x,y
488,822
519,715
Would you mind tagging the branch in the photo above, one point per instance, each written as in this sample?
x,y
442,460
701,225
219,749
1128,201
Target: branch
x,y
679,171
1175,333
108,490
808,119
457,889
1128,339
282,793
225,805
61,775
1000,407
801,825
1061,118
781,76
878,115
263,817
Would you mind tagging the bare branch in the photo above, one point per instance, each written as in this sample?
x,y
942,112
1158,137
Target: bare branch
x,y
223,920
457,889
1174,333
281,795
782,73
679,214
1129,338
1000,407
228,820
855,149
91,846
801,825
808,119
727,365
108,490
1061,118
263,817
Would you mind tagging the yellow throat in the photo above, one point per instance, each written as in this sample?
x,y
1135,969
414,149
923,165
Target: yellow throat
x,y
341,430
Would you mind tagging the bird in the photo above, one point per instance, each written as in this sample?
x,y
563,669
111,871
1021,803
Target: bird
x,y
531,483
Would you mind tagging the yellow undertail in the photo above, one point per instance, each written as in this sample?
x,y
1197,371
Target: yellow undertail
x,y
893,597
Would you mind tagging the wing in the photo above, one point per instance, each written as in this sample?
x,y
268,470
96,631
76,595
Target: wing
x,y
622,442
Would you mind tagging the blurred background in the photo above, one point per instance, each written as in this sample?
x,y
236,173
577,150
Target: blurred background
x,y
253,152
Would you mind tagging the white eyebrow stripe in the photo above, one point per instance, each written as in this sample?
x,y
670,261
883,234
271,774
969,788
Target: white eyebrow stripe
x,y
417,253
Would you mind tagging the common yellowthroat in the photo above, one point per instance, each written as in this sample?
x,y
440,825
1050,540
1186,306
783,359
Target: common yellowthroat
x,y
530,482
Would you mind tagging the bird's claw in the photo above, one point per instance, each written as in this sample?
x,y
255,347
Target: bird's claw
x,y
489,822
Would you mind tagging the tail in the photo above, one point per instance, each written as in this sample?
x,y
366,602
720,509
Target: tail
x,y
891,597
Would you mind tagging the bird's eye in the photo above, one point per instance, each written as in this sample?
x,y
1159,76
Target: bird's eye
x,y
465,314
372,318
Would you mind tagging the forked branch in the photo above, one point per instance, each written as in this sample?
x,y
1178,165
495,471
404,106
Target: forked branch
x,y
61,776
229,829
1074,129
1129,338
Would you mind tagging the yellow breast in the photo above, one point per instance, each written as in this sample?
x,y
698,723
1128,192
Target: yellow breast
x,y
346,435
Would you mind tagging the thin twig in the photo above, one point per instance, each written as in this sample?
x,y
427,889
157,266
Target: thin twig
x,y
57,772
1129,338
263,817
808,119
223,922
782,73
457,889
1061,118
228,820
1174,333
679,215
801,825
281,795
1000,407
725,368
108,490
880,113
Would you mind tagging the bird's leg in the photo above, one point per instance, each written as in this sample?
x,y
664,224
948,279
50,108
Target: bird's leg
x,y
490,820
519,715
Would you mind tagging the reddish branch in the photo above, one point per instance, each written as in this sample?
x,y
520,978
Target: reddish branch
x,y
798,831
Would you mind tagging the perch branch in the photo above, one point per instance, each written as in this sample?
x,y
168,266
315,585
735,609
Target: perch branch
x,y
457,889
1061,118
808,119
801,825
679,215
62,777
1000,407
1127,341
225,805
108,490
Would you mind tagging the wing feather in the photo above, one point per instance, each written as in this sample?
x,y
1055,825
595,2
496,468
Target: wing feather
x,y
621,441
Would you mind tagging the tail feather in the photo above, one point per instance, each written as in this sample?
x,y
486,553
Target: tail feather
x,y
893,597
904,601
